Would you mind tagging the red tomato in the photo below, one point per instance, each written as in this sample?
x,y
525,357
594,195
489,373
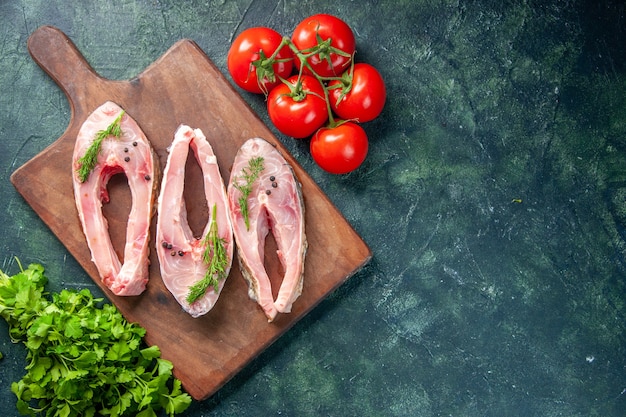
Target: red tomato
x,y
247,60
298,108
340,149
328,62
365,98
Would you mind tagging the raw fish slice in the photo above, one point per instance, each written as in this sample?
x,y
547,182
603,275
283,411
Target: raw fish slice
x,y
180,253
274,204
133,155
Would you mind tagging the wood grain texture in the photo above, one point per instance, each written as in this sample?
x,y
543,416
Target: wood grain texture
x,y
182,86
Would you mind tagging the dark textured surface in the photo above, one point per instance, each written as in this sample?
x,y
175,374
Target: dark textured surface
x,y
493,198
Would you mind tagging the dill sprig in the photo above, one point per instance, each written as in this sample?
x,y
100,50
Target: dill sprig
x,y
215,256
88,161
249,174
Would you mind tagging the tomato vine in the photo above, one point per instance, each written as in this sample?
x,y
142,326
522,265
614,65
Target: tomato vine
x,y
323,47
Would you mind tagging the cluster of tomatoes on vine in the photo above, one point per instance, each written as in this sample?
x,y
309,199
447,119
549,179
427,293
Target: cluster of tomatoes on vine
x,y
313,86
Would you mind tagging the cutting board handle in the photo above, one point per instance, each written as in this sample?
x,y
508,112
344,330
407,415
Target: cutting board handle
x,y
57,55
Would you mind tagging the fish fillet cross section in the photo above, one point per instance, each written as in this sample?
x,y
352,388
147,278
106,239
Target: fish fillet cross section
x,y
131,154
274,204
181,255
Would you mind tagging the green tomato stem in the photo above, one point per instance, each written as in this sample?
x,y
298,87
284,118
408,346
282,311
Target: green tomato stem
x,y
296,92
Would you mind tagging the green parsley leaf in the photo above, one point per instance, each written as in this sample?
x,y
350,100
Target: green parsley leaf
x,y
83,357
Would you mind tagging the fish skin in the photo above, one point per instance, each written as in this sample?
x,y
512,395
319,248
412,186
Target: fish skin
x,y
142,170
181,272
282,213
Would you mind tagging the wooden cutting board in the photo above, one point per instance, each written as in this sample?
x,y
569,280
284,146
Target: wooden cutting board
x,y
182,86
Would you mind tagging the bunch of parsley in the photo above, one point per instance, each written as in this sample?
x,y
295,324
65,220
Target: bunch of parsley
x,y
84,358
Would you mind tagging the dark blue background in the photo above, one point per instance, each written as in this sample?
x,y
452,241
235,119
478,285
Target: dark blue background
x,y
493,198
